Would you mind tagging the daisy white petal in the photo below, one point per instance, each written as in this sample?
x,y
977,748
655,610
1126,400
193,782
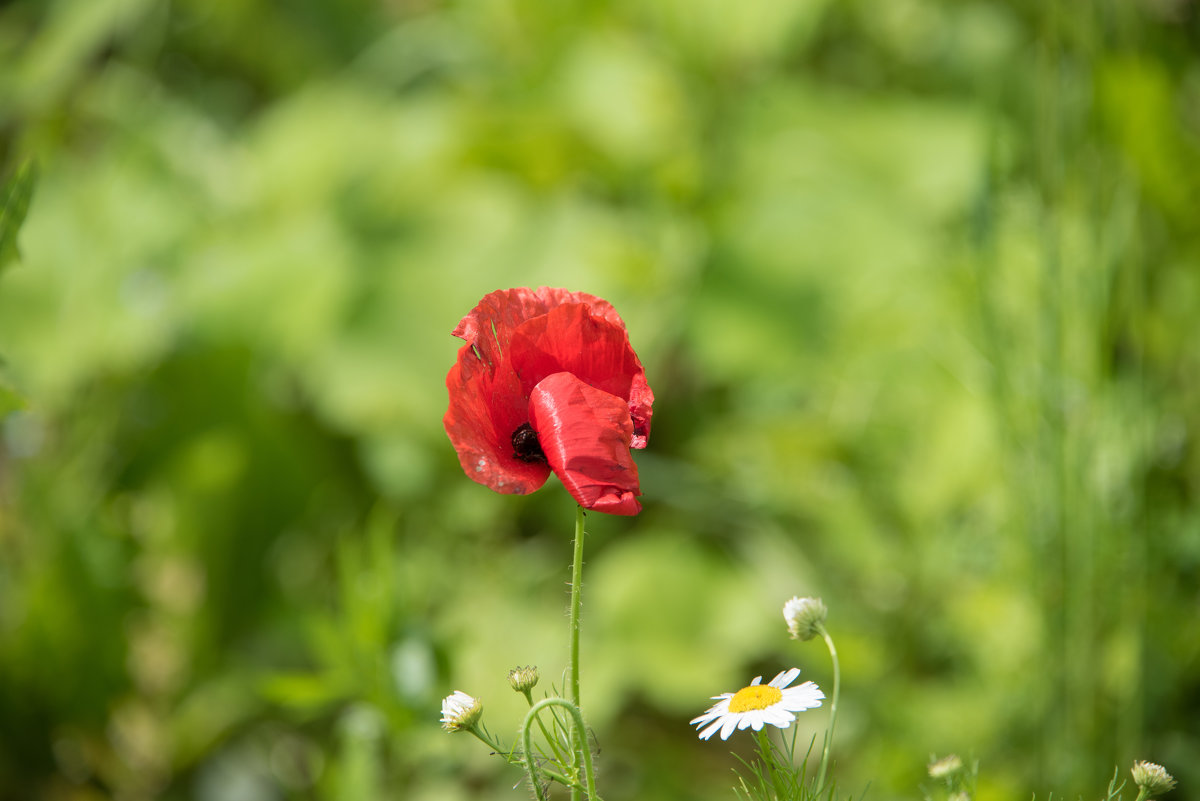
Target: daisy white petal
x,y
785,678
728,724
802,696
778,717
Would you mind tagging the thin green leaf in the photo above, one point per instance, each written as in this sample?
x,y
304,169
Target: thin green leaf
x,y
14,205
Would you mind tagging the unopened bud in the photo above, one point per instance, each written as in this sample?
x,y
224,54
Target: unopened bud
x,y
523,679
804,617
1152,779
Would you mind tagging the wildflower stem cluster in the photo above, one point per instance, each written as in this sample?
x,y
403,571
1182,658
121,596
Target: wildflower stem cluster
x,y
527,748
513,758
563,756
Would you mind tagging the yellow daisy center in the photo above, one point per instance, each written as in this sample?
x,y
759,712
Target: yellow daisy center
x,y
756,696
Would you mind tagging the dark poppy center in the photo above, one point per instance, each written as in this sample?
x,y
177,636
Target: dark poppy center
x,y
526,446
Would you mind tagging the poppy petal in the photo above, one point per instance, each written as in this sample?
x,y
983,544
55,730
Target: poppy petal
x,y
573,338
585,434
486,407
491,323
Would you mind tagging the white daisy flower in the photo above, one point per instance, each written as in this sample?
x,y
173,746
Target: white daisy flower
x,y
759,704
460,711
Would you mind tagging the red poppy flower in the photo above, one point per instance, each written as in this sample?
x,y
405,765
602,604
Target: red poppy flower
x,y
547,381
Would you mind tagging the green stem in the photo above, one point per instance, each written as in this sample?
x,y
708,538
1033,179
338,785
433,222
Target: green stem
x,y
527,748
576,582
551,741
578,735
768,760
483,736
833,705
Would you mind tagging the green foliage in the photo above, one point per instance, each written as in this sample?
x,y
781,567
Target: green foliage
x,y
1111,793
1115,785
915,284
15,194
775,775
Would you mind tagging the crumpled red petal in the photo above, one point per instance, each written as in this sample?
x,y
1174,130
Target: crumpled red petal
x,y
491,323
573,338
586,433
486,407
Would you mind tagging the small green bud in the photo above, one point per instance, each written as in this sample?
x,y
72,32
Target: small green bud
x,y
1152,779
523,679
804,617
460,711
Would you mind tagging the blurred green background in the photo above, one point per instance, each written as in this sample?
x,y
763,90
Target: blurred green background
x,y
916,283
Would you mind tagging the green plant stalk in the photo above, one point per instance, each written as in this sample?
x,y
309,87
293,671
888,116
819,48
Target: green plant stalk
x,y
531,769
550,741
483,736
578,734
576,581
833,705
768,759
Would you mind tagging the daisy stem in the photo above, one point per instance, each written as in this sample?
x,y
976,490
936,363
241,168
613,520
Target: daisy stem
x,y
527,748
767,755
551,741
833,705
485,737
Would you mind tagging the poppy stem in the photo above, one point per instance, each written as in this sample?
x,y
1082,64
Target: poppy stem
x,y
579,736
576,604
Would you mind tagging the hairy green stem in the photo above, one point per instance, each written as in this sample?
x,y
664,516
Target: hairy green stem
x,y
576,581
833,705
483,736
551,741
578,734
531,768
